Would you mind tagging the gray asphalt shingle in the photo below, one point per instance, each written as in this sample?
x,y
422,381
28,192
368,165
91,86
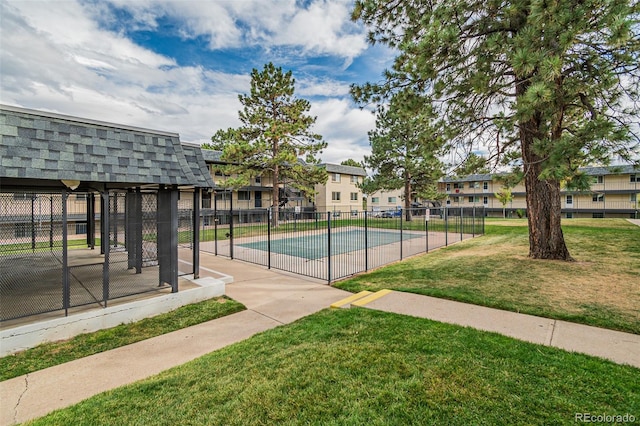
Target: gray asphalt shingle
x,y
41,145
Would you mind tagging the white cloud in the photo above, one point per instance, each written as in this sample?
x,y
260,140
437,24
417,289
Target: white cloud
x,y
325,87
56,56
344,127
324,27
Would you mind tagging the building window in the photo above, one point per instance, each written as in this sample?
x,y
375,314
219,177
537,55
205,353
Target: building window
x,y
597,179
448,201
244,195
81,197
634,178
633,198
354,196
81,228
598,198
448,187
21,230
459,185
354,179
474,199
456,199
335,177
474,185
569,216
258,180
598,216
485,185
217,173
222,196
375,200
391,200
335,196
569,199
206,200
485,200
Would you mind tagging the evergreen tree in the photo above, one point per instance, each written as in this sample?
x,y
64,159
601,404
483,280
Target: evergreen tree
x,y
275,133
351,162
550,85
405,149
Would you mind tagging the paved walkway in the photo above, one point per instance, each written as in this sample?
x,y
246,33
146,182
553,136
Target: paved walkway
x,y
274,298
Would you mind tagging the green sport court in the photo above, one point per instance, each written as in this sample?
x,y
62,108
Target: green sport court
x,y
314,246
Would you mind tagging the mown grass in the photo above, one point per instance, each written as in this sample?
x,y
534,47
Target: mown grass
x,y
358,366
54,353
602,288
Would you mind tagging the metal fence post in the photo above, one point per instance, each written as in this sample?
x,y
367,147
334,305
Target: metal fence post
x,y
366,243
195,240
231,225
461,222
51,222
215,224
66,290
269,238
33,223
329,247
446,226
426,229
401,213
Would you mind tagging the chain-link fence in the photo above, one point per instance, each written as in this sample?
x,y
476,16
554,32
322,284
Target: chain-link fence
x,y
334,245
60,250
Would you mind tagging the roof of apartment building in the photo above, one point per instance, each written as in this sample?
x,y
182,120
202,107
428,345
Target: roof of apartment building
x,y
40,146
611,170
592,171
347,170
469,178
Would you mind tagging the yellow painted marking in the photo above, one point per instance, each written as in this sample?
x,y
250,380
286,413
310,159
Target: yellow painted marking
x,y
350,299
371,298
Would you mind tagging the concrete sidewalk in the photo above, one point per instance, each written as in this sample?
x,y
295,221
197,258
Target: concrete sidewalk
x,y
272,299
619,347
275,298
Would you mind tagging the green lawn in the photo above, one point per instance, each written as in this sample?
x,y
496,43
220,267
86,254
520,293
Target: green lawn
x,y
358,366
601,288
50,354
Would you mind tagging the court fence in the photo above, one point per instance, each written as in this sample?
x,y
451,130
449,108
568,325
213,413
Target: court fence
x,y
334,245
61,250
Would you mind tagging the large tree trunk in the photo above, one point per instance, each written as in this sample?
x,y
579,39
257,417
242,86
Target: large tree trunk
x,y
407,197
546,240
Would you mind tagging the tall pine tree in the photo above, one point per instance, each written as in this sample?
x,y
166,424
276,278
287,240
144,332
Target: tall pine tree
x,y
549,85
275,133
405,149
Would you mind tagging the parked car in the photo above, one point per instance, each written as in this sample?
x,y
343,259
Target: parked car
x,y
390,213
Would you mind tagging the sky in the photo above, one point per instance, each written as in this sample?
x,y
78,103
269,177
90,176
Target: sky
x,y
179,66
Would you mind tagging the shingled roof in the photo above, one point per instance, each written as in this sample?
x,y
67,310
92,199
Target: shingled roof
x,y
195,159
39,146
347,170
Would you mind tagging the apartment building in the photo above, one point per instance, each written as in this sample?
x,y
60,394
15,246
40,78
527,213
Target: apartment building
x,y
386,200
340,193
614,192
257,195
